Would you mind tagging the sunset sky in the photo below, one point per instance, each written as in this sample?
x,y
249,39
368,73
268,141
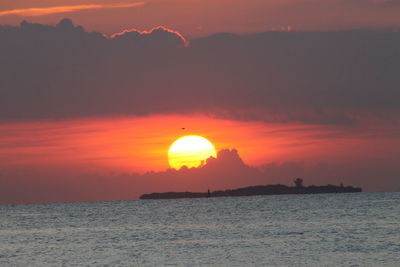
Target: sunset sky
x,y
93,93
196,18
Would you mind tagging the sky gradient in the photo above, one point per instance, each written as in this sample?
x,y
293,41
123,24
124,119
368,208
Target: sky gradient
x,y
87,116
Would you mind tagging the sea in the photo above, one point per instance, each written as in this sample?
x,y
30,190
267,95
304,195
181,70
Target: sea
x,y
353,229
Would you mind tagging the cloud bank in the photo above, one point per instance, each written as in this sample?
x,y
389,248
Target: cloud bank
x,y
62,71
227,171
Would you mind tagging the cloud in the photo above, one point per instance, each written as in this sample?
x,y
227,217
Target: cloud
x,y
158,34
62,71
35,12
227,171
374,3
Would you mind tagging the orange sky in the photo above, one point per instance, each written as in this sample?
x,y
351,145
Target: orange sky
x,y
124,157
347,94
140,144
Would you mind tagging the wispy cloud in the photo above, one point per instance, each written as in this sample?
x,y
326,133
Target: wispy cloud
x,y
34,12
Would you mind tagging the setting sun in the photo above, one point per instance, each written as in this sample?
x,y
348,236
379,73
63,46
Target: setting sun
x,y
190,151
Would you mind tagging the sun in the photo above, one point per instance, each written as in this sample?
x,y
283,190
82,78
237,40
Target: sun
x,y
190,151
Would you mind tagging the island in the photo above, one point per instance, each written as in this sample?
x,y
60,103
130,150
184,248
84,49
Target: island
x,y
277,189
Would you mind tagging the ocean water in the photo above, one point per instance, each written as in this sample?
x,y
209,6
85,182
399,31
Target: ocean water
x,y
360,229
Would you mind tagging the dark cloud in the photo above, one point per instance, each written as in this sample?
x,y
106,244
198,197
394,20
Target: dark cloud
x,y
373,3
62,71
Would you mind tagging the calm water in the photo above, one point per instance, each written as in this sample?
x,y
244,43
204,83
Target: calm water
x,y
360,229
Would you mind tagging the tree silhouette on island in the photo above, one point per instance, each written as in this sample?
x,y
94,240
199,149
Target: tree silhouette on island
x,y
298,182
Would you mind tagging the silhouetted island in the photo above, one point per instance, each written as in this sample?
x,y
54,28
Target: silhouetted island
x,y
258,190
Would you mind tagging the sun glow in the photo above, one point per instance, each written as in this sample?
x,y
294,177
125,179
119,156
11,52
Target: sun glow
x,y
190,151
